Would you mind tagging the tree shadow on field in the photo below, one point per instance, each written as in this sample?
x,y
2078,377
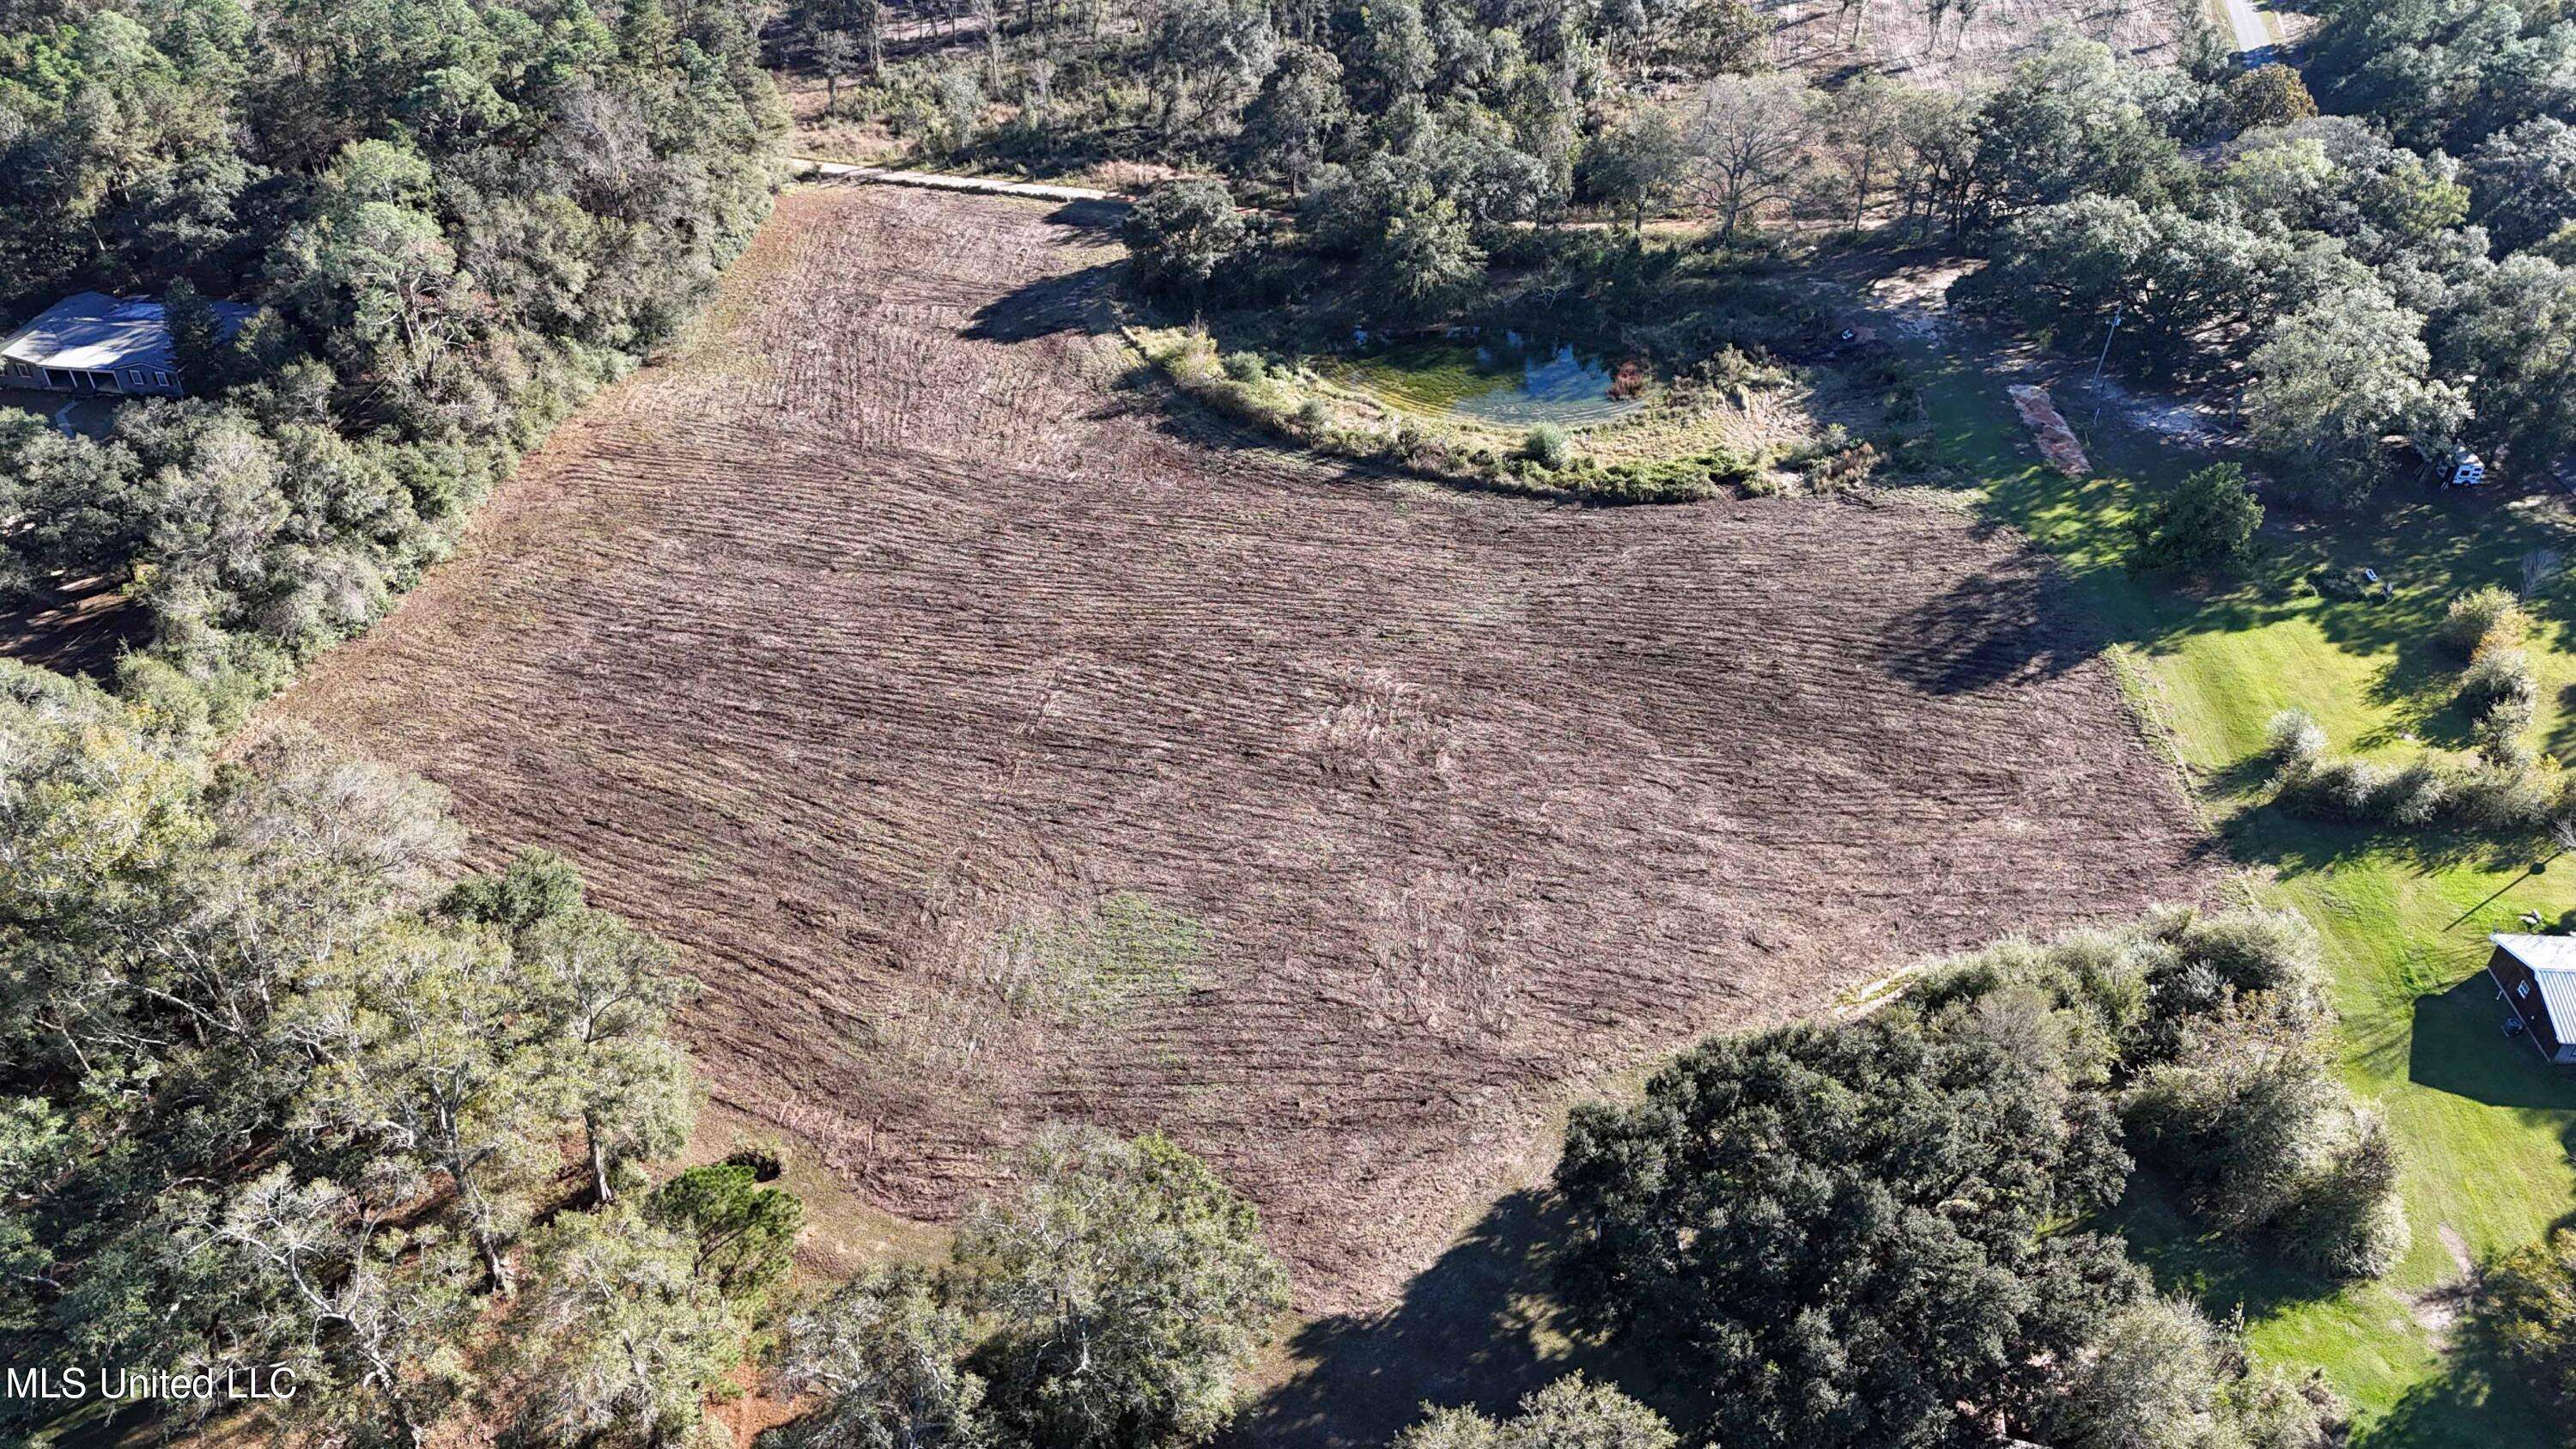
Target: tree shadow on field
x,y
1097,221
1463,1334
2476,1401
1047,307
1478,1328
2006,623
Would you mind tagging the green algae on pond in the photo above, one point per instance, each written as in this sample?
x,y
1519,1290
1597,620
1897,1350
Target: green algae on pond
x,y
1513,385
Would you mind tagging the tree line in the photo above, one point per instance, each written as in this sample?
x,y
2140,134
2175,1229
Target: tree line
x,y
2376,250
454,219
274,1094
2380,250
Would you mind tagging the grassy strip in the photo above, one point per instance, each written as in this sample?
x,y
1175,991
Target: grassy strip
x,y
2484,1125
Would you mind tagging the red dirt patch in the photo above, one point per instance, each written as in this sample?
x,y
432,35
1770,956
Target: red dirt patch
x,y
1001,752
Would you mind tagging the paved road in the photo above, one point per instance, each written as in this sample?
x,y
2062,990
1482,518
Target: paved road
x,y
2254,42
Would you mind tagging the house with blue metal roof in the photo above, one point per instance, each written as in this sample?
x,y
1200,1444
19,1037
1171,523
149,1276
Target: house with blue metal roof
x,y
92,343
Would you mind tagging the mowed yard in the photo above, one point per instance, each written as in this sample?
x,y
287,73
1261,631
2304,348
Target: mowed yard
x,y
2482,1125
999,750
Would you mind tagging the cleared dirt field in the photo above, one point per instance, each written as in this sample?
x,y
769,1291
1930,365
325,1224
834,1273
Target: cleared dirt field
x,y
1001,751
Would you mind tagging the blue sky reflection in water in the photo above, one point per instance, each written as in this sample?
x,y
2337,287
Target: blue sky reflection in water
x,y
1555,386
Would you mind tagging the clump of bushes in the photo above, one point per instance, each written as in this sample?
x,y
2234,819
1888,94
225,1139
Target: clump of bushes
x,y
2497,678
2497,690
2484,619
2128,999
1547,446
2293,736
1844,470
1245,367
2207,523
2504,787
2267,1146
2526,1304
2501,733
2160,1375
2207,1033
1571,1413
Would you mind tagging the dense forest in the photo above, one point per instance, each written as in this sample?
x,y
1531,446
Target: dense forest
x,y
454,218
279,1094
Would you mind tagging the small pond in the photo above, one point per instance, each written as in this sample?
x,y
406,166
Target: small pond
x,y
1513,384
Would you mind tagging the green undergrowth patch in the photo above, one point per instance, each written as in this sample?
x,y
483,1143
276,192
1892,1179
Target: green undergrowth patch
x,y
1425,377
1096,961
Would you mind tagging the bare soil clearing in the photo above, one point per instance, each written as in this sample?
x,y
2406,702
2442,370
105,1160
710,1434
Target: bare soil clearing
x,y
1002,751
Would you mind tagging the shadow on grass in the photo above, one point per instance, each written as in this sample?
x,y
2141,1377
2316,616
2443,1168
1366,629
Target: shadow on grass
x,y
2184,1257
2459,1046
2451,1411
2474,1403
2265,834
2562,735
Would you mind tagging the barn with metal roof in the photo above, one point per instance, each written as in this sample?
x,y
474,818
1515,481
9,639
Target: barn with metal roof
x,y
91,343
2537,976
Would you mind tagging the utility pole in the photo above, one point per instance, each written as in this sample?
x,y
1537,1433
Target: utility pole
x,y
2116,314
2121,309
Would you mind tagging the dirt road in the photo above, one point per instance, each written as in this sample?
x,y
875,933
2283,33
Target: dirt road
x,y
2254,38
844,171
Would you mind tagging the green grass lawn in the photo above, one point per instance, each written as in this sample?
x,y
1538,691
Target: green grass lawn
x,y
2485,1126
